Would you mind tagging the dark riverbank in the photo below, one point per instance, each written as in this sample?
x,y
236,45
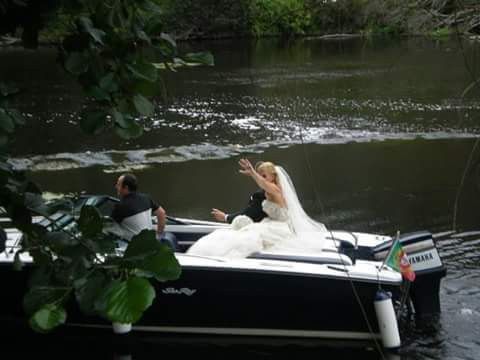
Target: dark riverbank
x,y
212,19
222,19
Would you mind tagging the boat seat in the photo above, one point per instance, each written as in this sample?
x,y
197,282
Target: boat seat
x,y
168,239
325,257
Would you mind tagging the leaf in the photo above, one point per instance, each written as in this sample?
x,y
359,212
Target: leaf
x,y
17,262
131,132
3,239
142,245
47,318
16,116
160,66
143,36
125,301
6,90
147,88
154,25
126,107
87,25
5,171
20,215
6,122
143,105
88,289
170,66
151,7
119,119
39,296
98,93
40,258
74,265
20,2
93,122
33,188
104,245
59,240
90,222
77,63
108,83
147,254
143,71
166,45
41,277
163,265
34,201
202,58
56,205
3,141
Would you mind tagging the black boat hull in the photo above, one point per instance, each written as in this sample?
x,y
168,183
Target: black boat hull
x,y
246,302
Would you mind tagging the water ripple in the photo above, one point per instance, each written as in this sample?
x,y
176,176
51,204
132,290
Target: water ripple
x,y
140,158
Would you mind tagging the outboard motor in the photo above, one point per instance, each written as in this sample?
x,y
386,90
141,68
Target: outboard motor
x,y
429,270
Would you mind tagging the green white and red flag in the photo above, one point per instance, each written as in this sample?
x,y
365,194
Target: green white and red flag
x,y
397,259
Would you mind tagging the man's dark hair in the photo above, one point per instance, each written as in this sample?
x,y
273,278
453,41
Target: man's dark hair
x,y
130,182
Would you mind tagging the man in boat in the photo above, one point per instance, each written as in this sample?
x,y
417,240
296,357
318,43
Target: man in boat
x,y
253,210
134,211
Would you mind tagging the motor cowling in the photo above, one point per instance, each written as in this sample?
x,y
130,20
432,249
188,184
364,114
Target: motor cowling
x,y
425,260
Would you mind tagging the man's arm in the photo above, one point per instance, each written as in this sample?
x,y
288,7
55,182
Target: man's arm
x,y
254,209
219,215
161,219
116,214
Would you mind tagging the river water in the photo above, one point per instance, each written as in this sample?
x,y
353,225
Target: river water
x,y
376,135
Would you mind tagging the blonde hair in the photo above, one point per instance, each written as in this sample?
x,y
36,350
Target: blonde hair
x,y
268,167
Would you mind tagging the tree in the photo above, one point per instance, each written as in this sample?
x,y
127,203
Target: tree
x,y
117,51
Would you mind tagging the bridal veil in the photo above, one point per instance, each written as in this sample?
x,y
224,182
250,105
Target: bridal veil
x,y
309,233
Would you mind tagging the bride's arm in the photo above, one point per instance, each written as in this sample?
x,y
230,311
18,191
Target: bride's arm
x,y
249,170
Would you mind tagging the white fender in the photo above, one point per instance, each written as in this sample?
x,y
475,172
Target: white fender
x,y
387,321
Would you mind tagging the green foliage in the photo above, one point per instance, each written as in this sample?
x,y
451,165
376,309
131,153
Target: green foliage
x,y
84,262
151,258
3,239
222,18
107,52
47,318
90,222
232,18
441,33
40,296
280,17
206,19
113,48
9,118
89,288
125,301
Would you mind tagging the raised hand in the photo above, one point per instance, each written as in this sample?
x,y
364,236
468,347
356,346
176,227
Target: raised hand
x,y
246,167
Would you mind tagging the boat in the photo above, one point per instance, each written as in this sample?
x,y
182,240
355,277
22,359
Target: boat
x,y
331,295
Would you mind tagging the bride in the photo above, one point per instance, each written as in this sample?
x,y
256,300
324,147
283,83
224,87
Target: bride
x,y
287,227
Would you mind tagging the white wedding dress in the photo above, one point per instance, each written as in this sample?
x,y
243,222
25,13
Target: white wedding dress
x,y
251,238
286,229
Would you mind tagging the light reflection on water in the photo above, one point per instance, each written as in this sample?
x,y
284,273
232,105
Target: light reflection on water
x,y
265,92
